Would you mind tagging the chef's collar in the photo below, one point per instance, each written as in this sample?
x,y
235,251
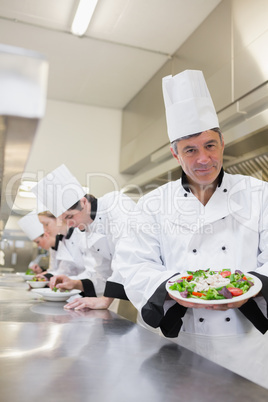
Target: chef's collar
x,y
69,233
185,183
94,206
59,237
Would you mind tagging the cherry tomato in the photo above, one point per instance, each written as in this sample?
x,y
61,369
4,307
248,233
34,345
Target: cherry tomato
x,y
189,278
235,291
225,273
199,294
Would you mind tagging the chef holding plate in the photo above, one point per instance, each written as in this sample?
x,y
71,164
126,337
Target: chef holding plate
x,y
208,219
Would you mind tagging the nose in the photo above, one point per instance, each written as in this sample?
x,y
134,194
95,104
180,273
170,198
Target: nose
x,y
203,157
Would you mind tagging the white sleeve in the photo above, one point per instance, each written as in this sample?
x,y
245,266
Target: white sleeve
x,y
138,260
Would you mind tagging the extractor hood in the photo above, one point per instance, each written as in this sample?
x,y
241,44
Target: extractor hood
x,y
23,83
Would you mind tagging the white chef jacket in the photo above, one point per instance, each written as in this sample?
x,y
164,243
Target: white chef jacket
x,y
175,232
66,258
100,239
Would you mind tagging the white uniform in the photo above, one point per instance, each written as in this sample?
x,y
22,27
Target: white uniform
x,y
99,241
176,233
67,259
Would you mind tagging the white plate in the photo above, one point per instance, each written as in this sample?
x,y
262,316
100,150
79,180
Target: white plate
x,y
253,291
50,295
37,284
24,276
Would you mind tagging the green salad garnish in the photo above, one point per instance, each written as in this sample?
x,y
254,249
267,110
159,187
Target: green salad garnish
x,y
212,285
29,271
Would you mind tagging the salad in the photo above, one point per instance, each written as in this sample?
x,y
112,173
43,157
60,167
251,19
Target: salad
x,y
35,279
60,290
212,285
29,272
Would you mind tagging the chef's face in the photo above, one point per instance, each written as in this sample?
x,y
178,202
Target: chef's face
x,y
78,218
51,226
201,157
46,241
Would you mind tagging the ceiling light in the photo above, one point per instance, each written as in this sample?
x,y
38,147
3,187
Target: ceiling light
x,y
83,16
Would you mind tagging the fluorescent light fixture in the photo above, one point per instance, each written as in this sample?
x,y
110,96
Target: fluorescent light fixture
x,y
83,16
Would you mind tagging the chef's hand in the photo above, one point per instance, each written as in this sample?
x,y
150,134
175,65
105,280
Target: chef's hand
x,y
94,303
221,307
224,307
36,269
42,275
65,283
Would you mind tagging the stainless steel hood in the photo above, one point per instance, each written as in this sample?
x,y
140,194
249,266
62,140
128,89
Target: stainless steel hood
x,y
23,83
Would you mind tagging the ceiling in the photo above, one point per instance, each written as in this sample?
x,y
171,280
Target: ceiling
x,y
125,45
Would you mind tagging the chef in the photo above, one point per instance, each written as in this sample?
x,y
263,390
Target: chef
x,y
206,219
101,223
60,260
34,230
67,255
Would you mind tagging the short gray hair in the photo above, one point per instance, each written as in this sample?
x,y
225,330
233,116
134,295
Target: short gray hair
x,y
174,143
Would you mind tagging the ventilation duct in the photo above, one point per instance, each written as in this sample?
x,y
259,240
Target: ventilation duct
x,y
23,82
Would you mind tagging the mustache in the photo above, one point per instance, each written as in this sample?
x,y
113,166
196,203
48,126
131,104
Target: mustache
x,y
204,167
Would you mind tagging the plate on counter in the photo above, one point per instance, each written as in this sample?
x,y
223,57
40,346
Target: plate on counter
x,y
24,276
37,284
253,291
50,295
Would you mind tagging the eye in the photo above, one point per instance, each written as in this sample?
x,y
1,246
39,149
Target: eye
x,y
189,151
209,146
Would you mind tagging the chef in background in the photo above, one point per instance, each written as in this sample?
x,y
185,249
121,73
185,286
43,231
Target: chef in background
x,y
59,263
34,230
206,219
101,223
67,254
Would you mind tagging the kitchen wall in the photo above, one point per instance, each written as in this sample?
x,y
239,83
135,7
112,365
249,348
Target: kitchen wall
x,y
87,140
230,47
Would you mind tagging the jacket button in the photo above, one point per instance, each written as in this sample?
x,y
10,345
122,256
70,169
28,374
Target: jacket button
x,y
227,319
223,248
225,190
98,249
185,195
194,250
201,319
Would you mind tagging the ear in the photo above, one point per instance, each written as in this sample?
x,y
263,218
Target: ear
x,y
83,202
174,155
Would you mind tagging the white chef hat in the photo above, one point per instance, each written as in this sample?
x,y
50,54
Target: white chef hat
x,y
31,225
189,107
59,190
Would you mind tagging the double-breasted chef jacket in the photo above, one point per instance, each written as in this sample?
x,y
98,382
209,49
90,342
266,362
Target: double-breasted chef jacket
x,y
175,232
65,256
110,214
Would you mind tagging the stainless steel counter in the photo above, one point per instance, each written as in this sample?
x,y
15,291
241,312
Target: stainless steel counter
x,y
49,354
